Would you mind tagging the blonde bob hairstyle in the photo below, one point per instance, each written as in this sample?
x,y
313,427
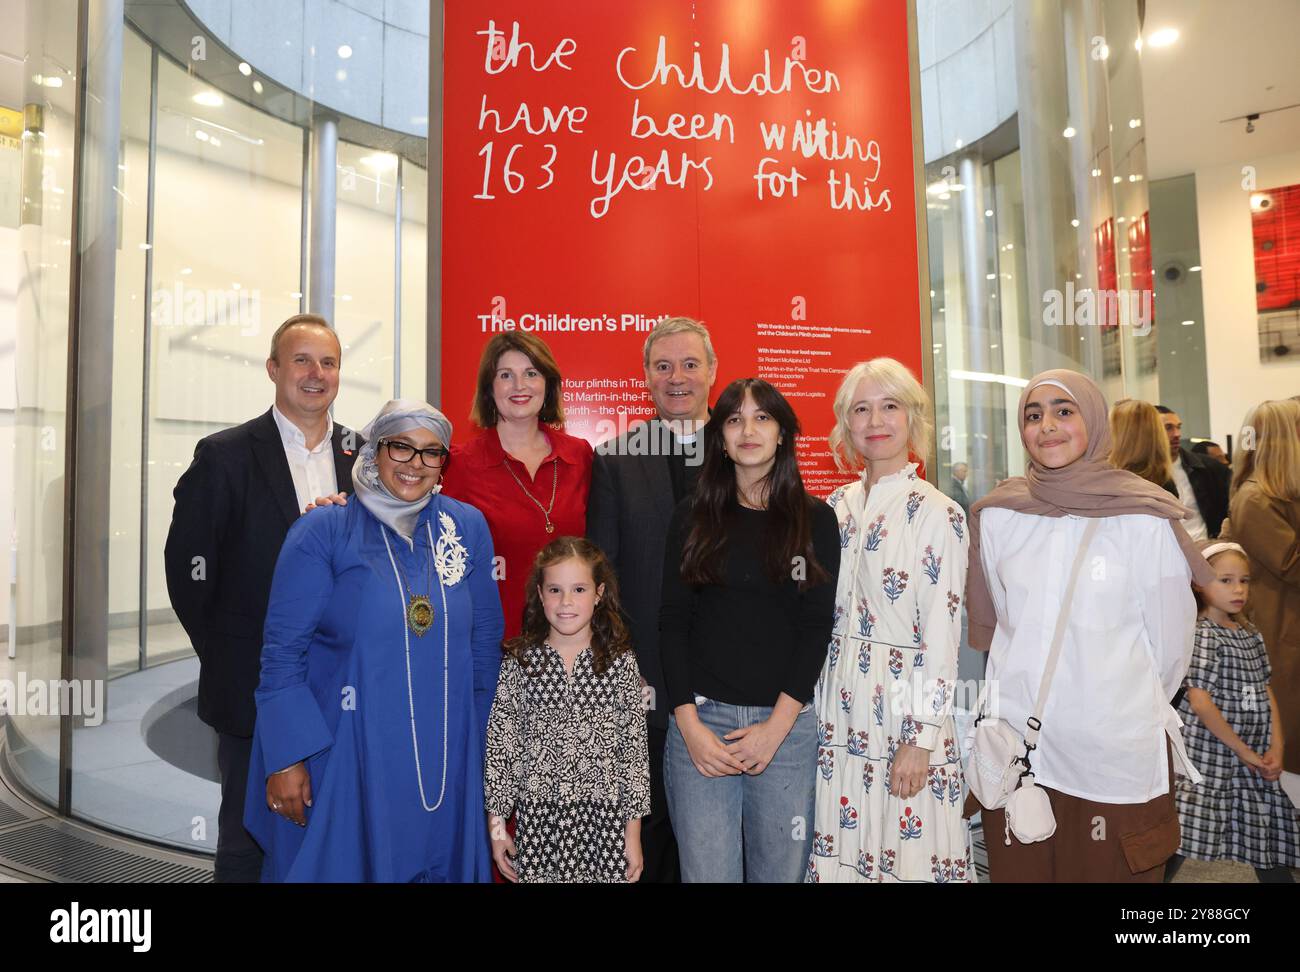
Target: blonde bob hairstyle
x,y
1270,450
894,380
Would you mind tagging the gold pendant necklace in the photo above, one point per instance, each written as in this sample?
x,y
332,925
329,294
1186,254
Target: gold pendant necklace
x,y
419,614
419,609
555,480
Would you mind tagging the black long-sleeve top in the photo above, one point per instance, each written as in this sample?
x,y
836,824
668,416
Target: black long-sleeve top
x,y
747,640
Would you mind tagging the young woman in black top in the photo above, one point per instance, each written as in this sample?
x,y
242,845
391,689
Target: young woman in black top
x,y
748,603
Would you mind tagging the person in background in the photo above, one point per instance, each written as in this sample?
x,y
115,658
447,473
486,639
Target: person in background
x,y
1266,522
637,480
1205,447
234,505
1238,812
522,471
1201,483
1139,443
748,601
958,491
1126,639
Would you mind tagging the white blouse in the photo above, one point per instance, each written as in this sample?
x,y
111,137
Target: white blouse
x,y
1125,651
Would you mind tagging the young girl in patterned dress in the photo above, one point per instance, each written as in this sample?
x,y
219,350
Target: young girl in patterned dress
x,y
1239,812
566,744
889,780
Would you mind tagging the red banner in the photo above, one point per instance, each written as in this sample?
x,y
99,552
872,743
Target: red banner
x,y
745,162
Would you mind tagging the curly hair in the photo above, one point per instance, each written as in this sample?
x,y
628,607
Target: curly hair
x,y
609,634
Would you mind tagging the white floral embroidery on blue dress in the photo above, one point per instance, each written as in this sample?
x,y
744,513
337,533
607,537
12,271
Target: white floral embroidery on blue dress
x,y
449,556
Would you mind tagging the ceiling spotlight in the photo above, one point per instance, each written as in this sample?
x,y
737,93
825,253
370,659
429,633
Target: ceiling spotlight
x,y
345,51
257,87
1163,37
1069,132
245,68
201,135
209,99
53,81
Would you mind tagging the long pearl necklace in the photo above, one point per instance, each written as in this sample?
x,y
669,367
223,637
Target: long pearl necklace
x,y
410,690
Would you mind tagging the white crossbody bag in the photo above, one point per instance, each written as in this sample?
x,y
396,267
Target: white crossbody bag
x,y
1001,775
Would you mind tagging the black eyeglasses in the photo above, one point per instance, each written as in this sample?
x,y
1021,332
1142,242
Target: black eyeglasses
x,y
434,457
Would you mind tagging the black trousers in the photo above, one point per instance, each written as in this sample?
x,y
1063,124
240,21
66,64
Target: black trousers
x,y
239,858
658,845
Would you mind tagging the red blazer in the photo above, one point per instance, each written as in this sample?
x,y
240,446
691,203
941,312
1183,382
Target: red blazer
x,y
476,474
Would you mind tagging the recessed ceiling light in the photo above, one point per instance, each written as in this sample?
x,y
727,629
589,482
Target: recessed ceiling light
x,y
257,87
245,68
988,212
1069,132
1135,123
1195,269
53,82
345,51
201,135
209,99
341,75
1074,223
1163,37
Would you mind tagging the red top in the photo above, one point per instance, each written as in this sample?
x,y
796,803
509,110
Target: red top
x,y
476,474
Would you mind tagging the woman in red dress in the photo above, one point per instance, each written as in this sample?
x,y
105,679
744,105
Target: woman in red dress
x,y
529,478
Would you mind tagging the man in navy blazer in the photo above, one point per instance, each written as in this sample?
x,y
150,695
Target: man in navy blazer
x,y
234,505
637,480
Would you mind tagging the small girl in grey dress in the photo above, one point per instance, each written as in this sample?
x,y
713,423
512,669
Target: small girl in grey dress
x,y
1240,811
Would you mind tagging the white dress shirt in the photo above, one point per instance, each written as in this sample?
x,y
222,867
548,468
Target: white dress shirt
x,y
1193,524
1123,657
312,469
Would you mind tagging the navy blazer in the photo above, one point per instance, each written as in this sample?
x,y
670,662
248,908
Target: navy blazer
x,y
234,506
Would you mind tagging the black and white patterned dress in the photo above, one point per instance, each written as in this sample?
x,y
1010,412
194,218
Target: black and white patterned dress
x,y
567,754
1235,814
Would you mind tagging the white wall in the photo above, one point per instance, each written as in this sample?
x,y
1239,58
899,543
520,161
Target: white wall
x,y
1238,380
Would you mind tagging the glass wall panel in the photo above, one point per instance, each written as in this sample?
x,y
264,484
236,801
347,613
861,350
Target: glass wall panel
x,y
364,296
36,263
415,284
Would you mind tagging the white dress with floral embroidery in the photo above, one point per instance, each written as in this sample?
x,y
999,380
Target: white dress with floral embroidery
x,y
889,678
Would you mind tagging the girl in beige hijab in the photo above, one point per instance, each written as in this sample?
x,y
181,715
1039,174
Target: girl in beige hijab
x,y
1103,754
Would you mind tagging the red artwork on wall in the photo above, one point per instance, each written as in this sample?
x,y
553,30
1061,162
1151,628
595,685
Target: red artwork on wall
x,y
745,162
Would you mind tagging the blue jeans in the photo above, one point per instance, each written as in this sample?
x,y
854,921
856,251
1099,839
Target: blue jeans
x,y
731,829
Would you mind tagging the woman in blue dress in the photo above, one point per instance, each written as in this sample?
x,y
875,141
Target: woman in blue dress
x,y
379,665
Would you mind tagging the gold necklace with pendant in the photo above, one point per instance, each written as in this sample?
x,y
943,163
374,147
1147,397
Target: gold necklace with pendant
x,y
419,609
555,481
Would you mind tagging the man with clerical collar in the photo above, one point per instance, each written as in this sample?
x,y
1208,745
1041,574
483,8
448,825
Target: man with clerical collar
x,y
637,480
234,505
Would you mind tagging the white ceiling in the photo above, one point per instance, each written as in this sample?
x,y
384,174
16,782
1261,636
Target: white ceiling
x,y
1232,57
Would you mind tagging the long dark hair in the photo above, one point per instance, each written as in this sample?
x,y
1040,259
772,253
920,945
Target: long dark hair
x,y
609,636
715,495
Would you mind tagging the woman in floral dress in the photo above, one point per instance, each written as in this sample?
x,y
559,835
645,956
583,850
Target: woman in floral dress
x,y
889,783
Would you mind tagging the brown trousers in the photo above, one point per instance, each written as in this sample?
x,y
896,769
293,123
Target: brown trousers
x,y
1124,843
